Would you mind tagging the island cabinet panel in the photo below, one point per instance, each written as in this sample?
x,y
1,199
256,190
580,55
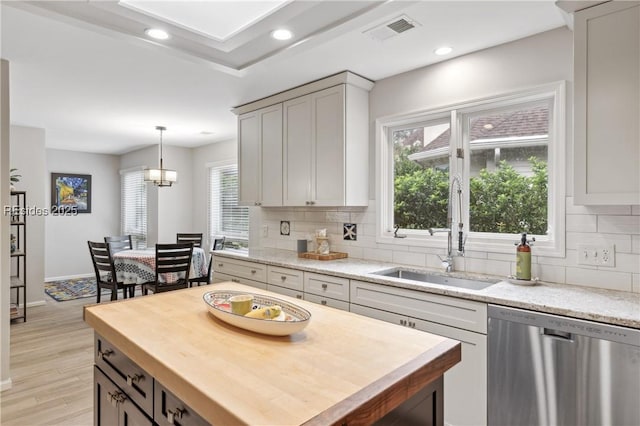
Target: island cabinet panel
x,y
241,269
112,407
607,104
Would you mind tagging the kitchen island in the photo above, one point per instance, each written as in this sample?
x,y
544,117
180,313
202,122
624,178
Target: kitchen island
x,y
342,368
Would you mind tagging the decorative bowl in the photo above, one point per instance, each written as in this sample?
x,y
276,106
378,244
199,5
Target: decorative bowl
x,y
292,319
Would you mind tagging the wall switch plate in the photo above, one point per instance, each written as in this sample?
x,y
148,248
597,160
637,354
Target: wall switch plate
x,y
604,255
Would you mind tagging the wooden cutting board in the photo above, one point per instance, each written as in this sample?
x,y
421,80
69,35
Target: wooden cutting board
x,y
333,255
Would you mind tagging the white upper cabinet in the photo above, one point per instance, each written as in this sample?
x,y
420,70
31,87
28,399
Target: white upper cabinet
x,y
607,104
322,144
326,148
260,157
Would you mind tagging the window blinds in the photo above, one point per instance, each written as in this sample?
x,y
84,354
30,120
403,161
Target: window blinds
x,y
133,206
226,218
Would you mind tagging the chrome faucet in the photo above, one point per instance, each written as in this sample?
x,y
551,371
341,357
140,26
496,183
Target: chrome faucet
x,y
447,262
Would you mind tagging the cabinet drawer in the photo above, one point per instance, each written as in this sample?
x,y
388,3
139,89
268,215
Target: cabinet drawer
x,y
285,277
219,278
451,311
327,301
126,374
169,410
242,269
285,291
327,286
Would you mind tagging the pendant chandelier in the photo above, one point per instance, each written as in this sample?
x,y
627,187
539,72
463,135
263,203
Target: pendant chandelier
x,y
160,176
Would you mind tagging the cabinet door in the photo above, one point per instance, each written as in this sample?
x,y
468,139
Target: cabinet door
x,y
328,156
249,159
105,408
285,291
169,410
271,161
466,383
298,167
607,104
326,286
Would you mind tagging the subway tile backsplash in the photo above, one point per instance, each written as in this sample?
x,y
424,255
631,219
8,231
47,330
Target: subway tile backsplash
x,y
590,225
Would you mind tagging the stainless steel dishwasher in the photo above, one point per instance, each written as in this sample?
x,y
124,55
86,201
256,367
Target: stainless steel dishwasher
x,y
553,370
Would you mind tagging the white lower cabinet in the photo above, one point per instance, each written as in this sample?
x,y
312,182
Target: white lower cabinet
x,y
286,291
327,301
465,384
220,278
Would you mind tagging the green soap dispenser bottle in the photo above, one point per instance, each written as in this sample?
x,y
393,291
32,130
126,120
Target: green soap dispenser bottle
x,y
523,259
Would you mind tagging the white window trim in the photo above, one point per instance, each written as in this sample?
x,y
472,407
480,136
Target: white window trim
x,y
208,166
552,245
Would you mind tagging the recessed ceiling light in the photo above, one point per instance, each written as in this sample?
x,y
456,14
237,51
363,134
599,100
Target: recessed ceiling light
x,y
157,33
443,50
281,34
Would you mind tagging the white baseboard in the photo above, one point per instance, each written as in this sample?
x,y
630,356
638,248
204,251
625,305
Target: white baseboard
x,y
36,303
5,385
68,277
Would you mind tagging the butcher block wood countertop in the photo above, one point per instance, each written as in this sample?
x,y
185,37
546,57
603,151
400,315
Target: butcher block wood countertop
x,y
341,366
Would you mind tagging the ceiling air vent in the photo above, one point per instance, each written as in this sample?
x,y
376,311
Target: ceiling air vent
x,y
390,29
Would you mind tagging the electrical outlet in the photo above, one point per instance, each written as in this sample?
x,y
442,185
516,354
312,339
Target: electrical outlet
x,y
265,231
597,255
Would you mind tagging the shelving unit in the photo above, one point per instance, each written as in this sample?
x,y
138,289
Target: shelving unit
x,y
19,255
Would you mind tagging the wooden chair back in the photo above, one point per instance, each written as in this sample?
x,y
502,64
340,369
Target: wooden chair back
x,y
119,243
173,262
104,269
194,238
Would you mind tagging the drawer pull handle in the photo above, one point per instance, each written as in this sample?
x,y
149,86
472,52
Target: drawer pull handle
x,y
175,414
105,354
220,265
324,286
282,277
402,322
116,398
137,378
235,280
323,302
299,296
253,271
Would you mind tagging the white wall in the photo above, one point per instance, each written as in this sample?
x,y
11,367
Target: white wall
x,y
28,156
66,252
201,156
540,59
175,203
5,274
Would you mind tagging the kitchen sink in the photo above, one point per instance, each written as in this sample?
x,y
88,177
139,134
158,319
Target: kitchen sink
x,y
432,278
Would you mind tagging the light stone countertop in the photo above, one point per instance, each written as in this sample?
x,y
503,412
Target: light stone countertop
x,y
606,306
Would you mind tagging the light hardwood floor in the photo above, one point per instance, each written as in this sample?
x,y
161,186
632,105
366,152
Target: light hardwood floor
x,y
51,368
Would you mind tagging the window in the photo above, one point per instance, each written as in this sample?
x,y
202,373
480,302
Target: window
x,y
133,205
505,156
226,218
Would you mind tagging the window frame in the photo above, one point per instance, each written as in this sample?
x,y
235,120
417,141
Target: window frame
x,y
139,241
552,244
209,205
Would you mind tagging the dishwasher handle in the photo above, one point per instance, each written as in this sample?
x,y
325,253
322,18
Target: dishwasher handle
x,y
557,334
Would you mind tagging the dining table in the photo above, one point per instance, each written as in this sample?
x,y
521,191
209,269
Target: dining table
x,y
138,266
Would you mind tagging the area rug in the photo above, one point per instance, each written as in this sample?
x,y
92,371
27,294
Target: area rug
x,y
75,288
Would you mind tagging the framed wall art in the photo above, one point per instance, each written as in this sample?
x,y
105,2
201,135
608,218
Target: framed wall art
x,y
70,192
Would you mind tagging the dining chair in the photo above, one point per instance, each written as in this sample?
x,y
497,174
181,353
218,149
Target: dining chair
x,y
173,262
194,238
106,271
204,279
119,243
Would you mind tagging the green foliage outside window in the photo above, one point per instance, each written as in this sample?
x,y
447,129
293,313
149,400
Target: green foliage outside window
x,y
501,201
